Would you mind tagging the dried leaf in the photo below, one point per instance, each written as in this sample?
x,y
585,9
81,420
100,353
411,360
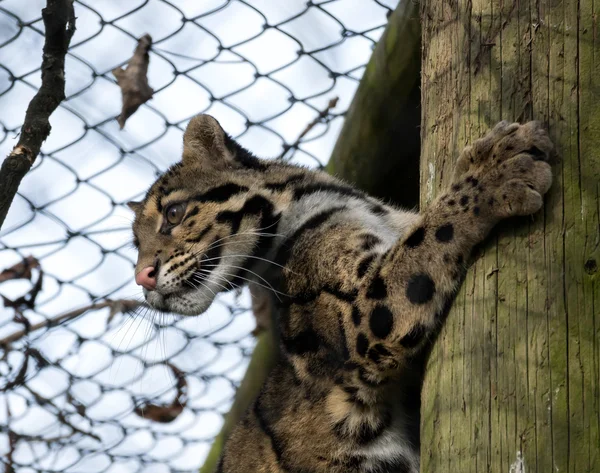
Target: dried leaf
x,y
133,81
20,270
170,412
26,301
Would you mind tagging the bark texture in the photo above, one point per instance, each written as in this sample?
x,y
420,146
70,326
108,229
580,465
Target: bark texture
x,y
513,382
59,24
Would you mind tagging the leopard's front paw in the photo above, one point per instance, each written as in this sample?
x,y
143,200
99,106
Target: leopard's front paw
x,y
506,172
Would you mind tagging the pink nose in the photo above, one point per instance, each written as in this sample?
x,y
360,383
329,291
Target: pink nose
x,y
146,278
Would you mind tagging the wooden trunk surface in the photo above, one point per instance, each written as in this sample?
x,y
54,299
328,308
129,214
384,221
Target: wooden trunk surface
x,y
513,383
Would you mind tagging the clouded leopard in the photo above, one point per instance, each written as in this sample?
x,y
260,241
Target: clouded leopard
x,y
361,286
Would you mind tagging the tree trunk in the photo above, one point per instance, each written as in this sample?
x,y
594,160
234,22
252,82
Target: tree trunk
x,y
513,381
378,148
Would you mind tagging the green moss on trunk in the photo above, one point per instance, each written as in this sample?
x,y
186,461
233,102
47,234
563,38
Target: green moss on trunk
x,y
513,383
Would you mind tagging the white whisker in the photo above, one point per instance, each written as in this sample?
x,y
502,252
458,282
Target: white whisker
x,y
227,265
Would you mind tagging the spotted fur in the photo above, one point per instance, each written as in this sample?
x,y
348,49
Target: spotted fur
x,y
359,286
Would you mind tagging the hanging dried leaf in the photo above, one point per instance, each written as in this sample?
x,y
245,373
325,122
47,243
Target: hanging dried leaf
x,y
20,270
170,412
133,81
26,301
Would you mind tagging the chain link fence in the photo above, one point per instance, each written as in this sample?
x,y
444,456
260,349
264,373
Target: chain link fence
x,y
89,381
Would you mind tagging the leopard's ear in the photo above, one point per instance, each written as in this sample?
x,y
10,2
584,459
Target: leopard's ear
x,y
204,142
135,206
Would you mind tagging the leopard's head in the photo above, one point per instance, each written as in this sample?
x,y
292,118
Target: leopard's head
x,y
202,222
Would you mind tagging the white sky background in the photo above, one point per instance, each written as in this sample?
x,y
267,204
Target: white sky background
x,y
80,230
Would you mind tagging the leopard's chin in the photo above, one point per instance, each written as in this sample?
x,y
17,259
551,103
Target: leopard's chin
x,y
189,302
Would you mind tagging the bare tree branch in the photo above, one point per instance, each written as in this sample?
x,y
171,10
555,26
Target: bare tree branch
x,y
59,23
133,81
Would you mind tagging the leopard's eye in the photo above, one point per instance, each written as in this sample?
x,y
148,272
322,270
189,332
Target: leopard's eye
x,y
175,213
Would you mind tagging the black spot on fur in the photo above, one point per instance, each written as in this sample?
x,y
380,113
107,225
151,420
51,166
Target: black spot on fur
x,y
414,337
378,209
456,187
362,344
420,288
464,200
459,259
451,202
268,227
377,351
363,266
474,181
221,193
374,356
476,211
377,288
356,315
193,212
341,295
445,233
285,251
308,189
369,241
307,341
255,205
381,321
279,186
416,238
383,351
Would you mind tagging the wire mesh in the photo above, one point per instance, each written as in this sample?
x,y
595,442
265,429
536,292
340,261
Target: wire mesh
x,y
75,368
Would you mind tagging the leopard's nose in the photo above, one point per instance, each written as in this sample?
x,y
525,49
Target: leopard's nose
x,y
146,278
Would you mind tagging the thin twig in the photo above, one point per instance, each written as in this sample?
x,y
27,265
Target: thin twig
x,y
322,114
59,24
12,442
60,416
125,304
